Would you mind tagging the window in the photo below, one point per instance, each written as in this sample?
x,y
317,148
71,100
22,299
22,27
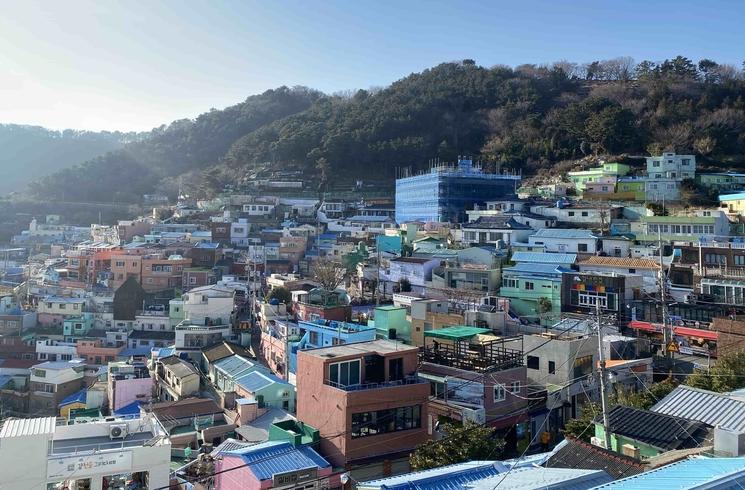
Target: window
x,y
345,373
715,259
581,247
582,366
47,387
551,367
515,387
509,283
632,271
119,263
529,286
384,421
534,362
739,259
40,373
656,163
584,214
499,393
313,338
62,306
571,213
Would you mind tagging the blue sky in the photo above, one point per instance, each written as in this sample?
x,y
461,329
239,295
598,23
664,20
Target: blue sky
x,y
135,64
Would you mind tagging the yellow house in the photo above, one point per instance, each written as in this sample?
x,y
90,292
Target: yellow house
x,y
73,402
735,203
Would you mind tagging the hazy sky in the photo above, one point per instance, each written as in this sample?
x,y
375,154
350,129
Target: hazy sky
x,y
133,65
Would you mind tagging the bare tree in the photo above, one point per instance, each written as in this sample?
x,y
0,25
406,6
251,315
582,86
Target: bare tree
x,y
329,273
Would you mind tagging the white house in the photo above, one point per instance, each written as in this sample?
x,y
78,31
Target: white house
x,y
418,271
565,240
581,214
39,453
491,230
671,166
54,350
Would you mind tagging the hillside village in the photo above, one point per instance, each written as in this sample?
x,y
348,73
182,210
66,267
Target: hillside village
x,y
469,330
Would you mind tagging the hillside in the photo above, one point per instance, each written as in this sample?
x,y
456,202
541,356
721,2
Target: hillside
x,y
528,117
31,151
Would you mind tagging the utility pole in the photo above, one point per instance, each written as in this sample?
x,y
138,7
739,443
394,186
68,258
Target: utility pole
x,y
666,331
601,361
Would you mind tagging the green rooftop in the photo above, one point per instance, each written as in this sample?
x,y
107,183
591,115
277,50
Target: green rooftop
x,y
458,332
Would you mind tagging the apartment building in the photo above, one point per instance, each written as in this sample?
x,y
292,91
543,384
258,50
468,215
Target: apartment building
x,y
365,398
128,382
52,311
176,379
154,272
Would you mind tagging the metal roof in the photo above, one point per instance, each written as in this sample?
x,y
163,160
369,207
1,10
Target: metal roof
x,y
79,397
535,268
275,457
664,432
256,381
28,427
689,474
711,408
451,477
543,478
564,233
544,258
732,197
235,365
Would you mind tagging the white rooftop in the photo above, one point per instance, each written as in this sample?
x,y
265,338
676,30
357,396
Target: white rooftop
x,y
28,427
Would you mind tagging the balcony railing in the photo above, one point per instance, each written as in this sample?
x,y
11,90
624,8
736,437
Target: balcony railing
x,y
408,380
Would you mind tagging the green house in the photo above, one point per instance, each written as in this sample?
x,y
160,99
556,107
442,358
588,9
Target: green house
x,y
581,178
534,291
649,434
632,186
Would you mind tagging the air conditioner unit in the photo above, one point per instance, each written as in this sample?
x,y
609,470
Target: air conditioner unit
x,y
596,441
118,431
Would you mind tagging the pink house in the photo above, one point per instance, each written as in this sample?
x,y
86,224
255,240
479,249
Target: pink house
x,y
604,185
290,466
128,383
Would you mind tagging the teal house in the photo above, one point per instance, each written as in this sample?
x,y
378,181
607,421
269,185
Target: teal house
x,y
76,327
534,291
391,320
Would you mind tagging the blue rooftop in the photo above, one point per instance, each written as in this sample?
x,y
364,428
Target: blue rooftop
x,y
535,268
207,245
4,379
255,381
276,457
544,258
692,473
732,197
451,477
78,397
131,409
235,365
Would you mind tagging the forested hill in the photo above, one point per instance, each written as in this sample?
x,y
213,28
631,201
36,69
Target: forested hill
x,y
529,117
27,152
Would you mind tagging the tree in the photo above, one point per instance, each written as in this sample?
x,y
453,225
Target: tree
x,y
281,294
580,427
329,273
644,399
460,443
404,285
725,375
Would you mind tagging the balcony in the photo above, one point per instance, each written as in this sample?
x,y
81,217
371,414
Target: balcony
x,y
483,357
407,380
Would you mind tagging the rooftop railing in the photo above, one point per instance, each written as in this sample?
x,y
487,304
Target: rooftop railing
x,y
407,380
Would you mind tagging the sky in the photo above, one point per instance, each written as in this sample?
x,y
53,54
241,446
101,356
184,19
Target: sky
x,y
132,65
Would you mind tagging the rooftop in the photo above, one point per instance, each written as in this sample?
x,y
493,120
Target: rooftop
x,y
695,472
579,454
535,268
544,258
380,347
448,477
256,381
715,409
564,233
179,367
664,432
543,478
28,427
187,407
461,332
496,222
276,457
623,262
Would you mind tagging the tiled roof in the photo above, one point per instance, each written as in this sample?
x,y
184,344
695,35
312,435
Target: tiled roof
x,y
696,472
711,408
28,427
622,262
276,457
496,222
451,477
224,349
152,334
664,432
18,363
579,454
188,407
